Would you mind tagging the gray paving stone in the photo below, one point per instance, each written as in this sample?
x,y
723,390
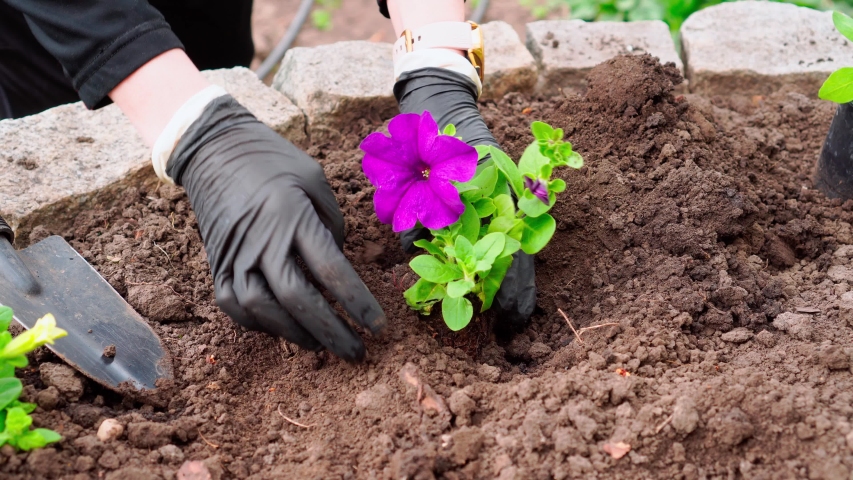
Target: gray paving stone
x,y
756,47
337,84
509,65
54,163
566,50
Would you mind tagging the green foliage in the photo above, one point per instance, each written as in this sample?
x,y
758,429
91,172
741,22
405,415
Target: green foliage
x,y
471,257
15,420
838,87
321,17
673,12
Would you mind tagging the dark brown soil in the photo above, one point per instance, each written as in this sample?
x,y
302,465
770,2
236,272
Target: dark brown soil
x,y
693,228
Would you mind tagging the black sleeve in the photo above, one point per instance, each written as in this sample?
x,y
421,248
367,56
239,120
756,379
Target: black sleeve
x,y
98,42
383,7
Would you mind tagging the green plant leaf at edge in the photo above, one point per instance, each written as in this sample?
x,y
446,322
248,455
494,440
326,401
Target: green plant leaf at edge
x,y
844,24
489,247
457,312
508,168
433,270
10,390
532,206
459,288
838,87
492,282
537,232
422,292
430,247
6,316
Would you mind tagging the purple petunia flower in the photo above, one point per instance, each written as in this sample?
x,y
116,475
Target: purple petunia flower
x,y
412,171
538,188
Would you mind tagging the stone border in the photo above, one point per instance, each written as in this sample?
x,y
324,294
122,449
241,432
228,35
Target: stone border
x,y
751,48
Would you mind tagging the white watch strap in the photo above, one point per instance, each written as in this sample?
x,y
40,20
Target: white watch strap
x,y
430,48
178,125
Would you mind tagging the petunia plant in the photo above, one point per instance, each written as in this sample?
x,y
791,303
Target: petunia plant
x,y
479,206
838,87
15,420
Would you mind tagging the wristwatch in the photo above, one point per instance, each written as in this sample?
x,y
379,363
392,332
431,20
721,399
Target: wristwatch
x,y
465,36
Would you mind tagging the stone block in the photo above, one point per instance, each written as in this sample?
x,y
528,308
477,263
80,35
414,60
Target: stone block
x,y
509,65
337,84
60,161
754,48
566,50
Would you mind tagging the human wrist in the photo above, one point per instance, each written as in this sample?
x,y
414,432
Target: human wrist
x,y
178,125
151,95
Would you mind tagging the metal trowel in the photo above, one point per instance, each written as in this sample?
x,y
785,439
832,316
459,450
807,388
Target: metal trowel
x,y
107,340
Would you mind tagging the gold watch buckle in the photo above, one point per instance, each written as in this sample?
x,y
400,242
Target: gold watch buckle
x,y
477,53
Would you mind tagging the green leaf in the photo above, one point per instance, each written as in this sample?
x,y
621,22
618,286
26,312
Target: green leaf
x,y
463,250
557,186
838,87
6,316
10,390
17,421
537,232
470,222
457,312
20,361
5,338
532,161
37,438
485,207
508,168
504,206
541,130
489,247
492,282
510,247
459,288
6,370
422,292
482,185
502,186
432,270
450,129
844,24
482,151
532,206
25,406
430,247
575,160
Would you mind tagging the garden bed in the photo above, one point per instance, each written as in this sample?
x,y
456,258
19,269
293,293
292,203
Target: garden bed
x,y
692,227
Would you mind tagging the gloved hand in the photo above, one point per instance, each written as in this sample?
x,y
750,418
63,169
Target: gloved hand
x,y
452,98
260,202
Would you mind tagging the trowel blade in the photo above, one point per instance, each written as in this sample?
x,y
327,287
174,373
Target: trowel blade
x,y
94,315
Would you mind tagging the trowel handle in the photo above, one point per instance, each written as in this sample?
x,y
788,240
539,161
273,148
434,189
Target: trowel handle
x,y
11,265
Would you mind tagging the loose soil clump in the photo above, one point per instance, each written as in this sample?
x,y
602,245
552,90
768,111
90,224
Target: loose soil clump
x,y
693,227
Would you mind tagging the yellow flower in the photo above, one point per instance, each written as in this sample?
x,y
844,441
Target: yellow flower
x,y
43,332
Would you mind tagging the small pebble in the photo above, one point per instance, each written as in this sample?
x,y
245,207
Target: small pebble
x,y
110,429
110,351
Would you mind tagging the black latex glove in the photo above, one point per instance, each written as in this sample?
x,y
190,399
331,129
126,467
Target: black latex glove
x,y
260,202
452,98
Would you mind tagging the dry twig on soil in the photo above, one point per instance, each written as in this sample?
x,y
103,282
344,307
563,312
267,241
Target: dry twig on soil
x,y
664,424
205,440
580,332
291,420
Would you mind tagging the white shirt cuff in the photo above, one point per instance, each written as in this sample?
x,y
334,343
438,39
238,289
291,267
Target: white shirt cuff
x,y
189,112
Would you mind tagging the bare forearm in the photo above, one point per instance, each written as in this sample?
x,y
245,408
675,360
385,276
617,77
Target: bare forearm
x,y
151,95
